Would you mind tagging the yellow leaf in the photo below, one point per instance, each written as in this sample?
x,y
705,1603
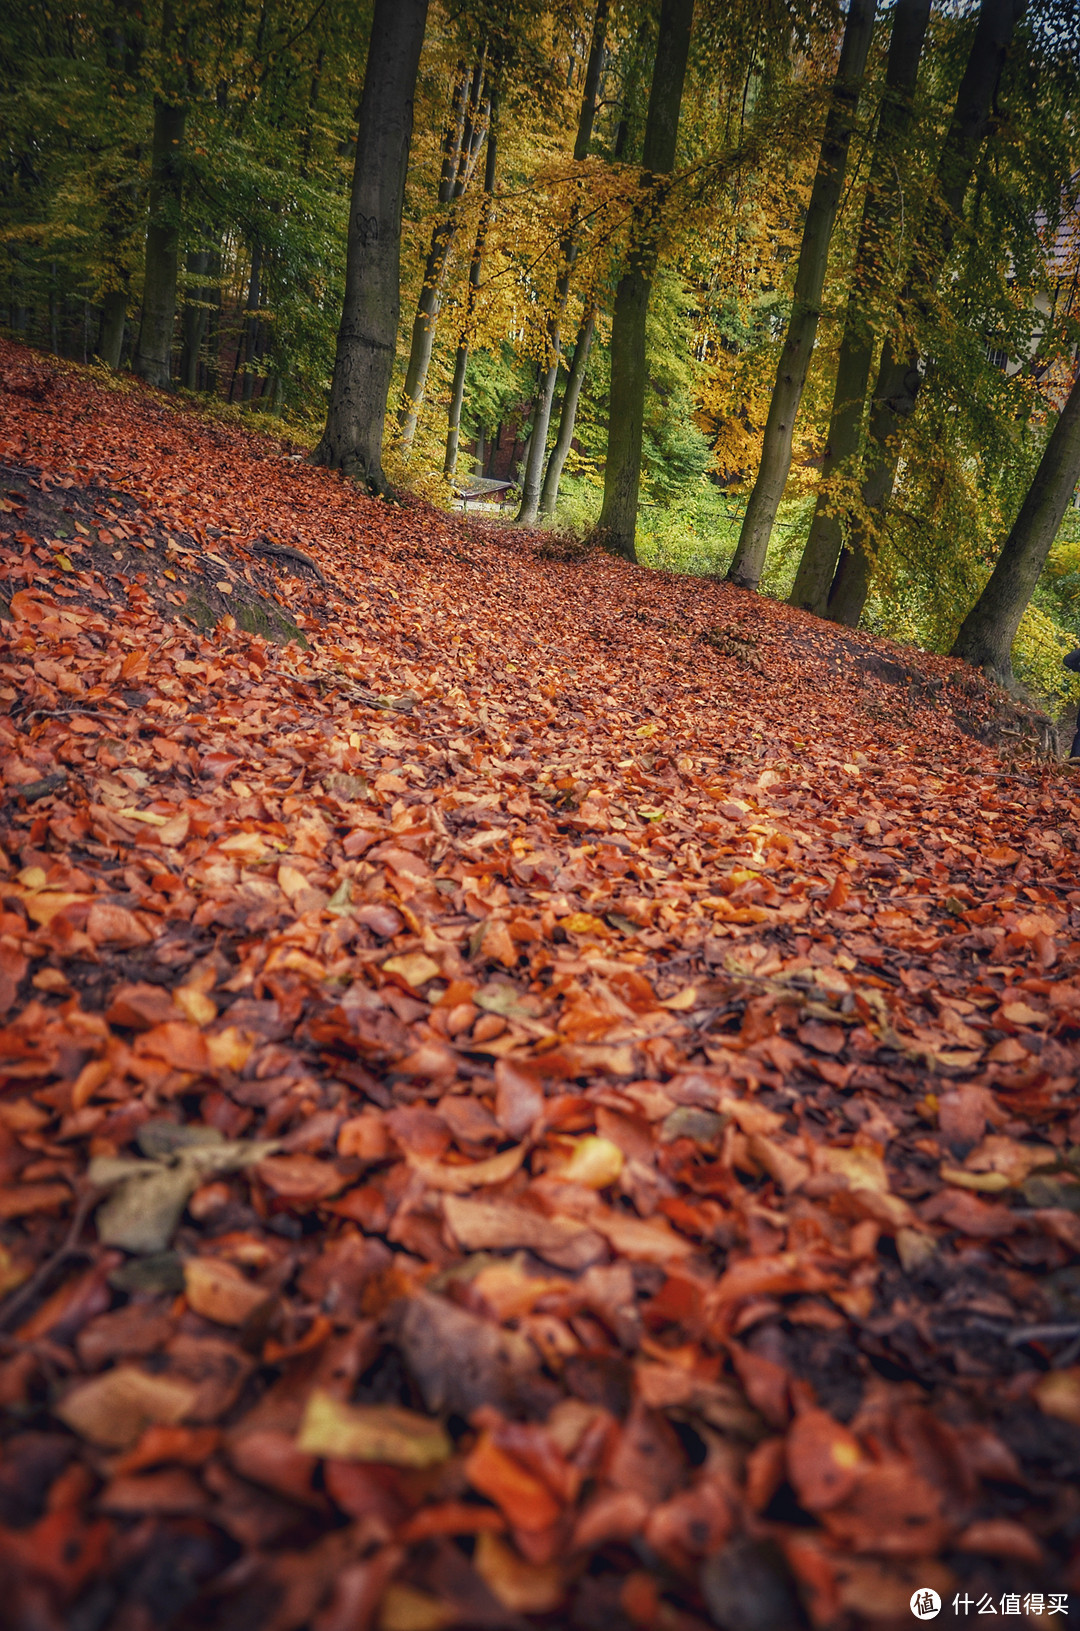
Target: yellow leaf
x,y
682,1001
404,1608
148,817
647,730
379,1432
229,1049
585,923
595,1162
987,1183
415,968
522,1588
42,908
32,877
1058,1394
195,1005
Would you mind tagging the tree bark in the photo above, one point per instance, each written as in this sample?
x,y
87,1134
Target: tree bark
x,y
868,276
531,488
193,319
457,394
899,374
622,471
364,360
251,325
549,496
989,629
461,141
749,560
153,351
113,319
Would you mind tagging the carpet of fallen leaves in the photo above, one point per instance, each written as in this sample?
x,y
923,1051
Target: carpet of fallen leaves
x,y
546,1099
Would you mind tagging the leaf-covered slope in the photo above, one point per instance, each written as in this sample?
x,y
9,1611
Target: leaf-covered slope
x,y
552,1103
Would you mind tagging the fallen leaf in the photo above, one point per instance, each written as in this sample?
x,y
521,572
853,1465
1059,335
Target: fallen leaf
x,y
386,1433
113,1409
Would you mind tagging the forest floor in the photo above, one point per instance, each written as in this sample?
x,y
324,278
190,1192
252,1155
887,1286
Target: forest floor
x,y
533,1093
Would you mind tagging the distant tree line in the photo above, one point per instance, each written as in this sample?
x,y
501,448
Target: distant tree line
x,y
794,280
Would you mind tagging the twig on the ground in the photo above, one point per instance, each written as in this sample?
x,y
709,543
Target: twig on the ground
x,y
69,1247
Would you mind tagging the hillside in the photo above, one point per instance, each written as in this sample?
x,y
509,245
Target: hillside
x,y
531,1092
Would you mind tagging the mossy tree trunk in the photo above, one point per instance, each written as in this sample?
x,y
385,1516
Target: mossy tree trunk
x,y
626,406
989,629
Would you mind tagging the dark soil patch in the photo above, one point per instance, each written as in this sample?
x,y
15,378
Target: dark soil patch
x,y
113,551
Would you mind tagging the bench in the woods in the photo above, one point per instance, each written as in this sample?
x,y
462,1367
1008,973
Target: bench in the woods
x,y
483,489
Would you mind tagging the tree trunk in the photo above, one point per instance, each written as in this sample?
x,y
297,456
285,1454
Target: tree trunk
x,y
251,325
899,375
480,456
622,472
153,353
460,144
457,394
989,629
749,559
193,320
531,489
549,496
868,275
113,318
364,360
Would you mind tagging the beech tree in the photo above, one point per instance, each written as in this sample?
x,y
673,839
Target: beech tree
x,y
749,559
899,376
153,353
466,127
876,252
476,263
534,469
622,472
987,633
352,440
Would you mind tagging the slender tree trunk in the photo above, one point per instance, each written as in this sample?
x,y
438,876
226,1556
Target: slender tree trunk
x,y
193,319
480,456
626,408
989,629
153,353
899,375
457,394
251,324
464,131
363,364
749,559
549,496
872,259
531,489
113,318
213,321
